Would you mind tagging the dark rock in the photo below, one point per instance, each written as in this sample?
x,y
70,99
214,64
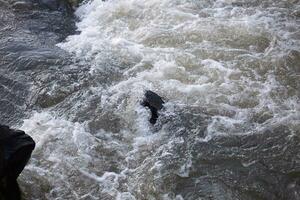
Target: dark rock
x,y
15,151
154,102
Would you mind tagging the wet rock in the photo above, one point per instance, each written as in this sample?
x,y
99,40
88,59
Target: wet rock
x,y
154,102
15,151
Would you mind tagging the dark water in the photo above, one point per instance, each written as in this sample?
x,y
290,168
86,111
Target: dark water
x,y
228,70
27,50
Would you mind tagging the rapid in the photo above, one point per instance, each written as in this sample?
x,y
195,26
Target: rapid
x,y
229,72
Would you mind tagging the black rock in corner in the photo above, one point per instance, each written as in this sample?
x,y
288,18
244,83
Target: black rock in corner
x,y
15,151
154,102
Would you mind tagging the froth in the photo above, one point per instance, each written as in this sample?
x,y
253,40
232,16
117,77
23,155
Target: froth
x,y
230,59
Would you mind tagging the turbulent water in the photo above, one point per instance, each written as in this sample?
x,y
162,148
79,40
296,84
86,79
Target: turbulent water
x,y
229,72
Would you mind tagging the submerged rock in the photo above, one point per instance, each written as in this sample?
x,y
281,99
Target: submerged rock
x,y
154,102
15,151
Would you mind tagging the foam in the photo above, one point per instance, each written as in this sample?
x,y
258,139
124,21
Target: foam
x,y
204,54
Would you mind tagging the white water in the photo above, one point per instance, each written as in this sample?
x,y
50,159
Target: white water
x,y
234,60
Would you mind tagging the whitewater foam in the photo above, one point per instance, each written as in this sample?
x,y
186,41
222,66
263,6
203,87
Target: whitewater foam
x,y
221,65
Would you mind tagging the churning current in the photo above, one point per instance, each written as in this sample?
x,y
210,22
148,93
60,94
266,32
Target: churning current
x,y
229,72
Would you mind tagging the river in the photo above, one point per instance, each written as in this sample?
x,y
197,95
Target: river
x,y
228,70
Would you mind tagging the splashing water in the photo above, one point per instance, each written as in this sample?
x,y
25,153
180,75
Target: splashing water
x,y
229,71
